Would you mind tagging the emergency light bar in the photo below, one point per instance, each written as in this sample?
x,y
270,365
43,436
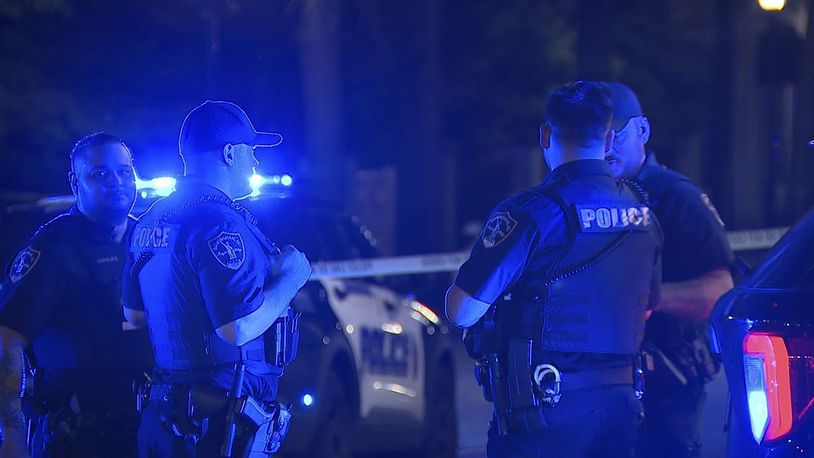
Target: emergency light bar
x,y
157,187
164,186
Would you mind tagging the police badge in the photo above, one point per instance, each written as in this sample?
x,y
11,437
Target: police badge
x,y
227,248
23,263
498,229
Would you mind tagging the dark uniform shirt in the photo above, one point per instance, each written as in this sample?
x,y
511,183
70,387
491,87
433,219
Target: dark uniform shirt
x,y
525,237
63,293
694,241
208,267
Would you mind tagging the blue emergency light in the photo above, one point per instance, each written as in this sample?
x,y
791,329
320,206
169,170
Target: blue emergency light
x,y
164,186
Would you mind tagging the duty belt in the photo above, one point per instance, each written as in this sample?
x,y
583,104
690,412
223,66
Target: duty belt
x,y
160,391
592,378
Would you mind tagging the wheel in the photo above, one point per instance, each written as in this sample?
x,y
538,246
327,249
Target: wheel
x,y
441,428
334,435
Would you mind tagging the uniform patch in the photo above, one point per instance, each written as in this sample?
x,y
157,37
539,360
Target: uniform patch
x,y
227,248
497,229
612,218
23,263
706,200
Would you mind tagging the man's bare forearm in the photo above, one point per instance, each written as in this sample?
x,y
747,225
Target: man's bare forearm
x,y
11,386
695,298
278,294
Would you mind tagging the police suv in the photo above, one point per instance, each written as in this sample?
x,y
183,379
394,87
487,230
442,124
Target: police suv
x,y
374,372
763,329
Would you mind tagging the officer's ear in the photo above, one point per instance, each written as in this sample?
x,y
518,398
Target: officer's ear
x,y
644,130
229,154
545,136
74,182
609,135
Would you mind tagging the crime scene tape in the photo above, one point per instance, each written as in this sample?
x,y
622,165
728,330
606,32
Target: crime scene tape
x,y
758,239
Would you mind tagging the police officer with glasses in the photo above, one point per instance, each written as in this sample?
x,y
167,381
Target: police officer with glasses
x,y
555,293
696,261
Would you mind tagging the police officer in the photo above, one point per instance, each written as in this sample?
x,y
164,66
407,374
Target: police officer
x,y
60,305
555,294
696,262
215,294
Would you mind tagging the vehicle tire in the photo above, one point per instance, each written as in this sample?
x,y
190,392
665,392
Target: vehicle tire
x,y
334,436
441,428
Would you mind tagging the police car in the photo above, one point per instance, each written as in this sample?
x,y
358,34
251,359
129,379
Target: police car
x,y
764,332
374,371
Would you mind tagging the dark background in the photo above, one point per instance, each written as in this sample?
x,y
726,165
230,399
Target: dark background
x,y
439,99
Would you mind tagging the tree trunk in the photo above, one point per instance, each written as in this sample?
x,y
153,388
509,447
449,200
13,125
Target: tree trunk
x,y
322,97
717,163
803,154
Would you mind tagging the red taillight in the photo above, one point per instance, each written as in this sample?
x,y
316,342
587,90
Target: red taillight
x,y
779,372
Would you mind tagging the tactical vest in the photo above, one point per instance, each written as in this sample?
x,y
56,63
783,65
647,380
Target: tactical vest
x,y
210,350
594,297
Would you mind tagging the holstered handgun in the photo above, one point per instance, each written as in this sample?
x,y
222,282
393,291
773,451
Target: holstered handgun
x,y
517,406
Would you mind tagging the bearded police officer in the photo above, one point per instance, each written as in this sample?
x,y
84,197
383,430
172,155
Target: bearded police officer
x,y
60,304
696,273
555,294
214,293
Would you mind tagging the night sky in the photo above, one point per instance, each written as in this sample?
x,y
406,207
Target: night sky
x,y
416,82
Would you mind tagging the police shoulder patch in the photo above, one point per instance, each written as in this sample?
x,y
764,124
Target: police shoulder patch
x,y
711,207
228,249
497,229
23,264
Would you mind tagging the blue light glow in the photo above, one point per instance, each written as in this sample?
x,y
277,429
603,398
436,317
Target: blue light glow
x,y
258,182
756,395
307,400
157,187
164,186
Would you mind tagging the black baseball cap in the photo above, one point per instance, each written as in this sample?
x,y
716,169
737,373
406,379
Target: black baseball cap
x,y
213,124
625,105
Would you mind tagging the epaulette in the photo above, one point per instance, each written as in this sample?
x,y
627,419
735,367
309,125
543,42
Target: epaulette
x,y
63,226
659,179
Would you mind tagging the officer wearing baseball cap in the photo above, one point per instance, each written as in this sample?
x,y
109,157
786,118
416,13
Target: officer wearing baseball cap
x,y
695,260
214,293
555,292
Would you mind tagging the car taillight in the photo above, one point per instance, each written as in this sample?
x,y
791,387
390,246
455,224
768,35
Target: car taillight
x,y
779,373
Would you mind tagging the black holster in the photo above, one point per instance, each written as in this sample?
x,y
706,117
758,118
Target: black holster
x,y
59,428
282,339
260,428
507,381
689,363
